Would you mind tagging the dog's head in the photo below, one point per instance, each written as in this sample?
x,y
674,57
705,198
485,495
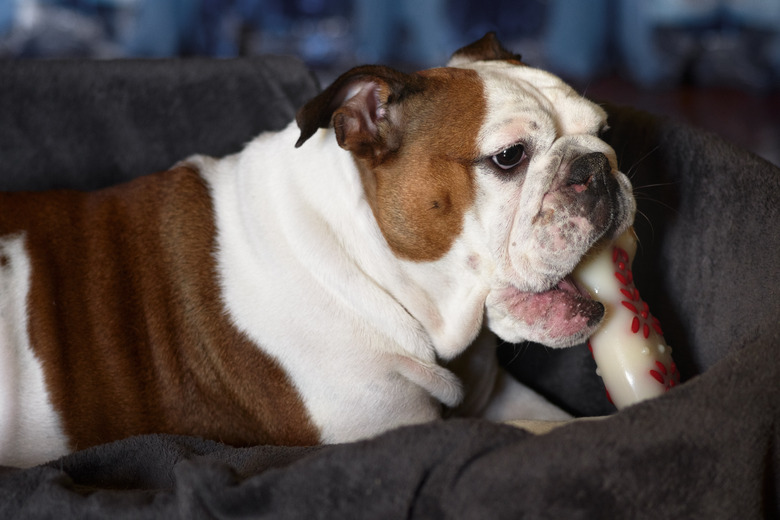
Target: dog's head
x,y
493,158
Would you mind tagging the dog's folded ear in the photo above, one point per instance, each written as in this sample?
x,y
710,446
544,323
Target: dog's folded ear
x,y
487,48
362,104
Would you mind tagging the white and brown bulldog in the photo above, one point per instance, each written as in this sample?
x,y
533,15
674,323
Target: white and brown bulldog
x,y
313,292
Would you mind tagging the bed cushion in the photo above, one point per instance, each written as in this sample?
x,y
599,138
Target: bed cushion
x,y
707,265
90,124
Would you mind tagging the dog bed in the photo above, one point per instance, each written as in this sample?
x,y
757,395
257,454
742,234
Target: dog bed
x,y
707,265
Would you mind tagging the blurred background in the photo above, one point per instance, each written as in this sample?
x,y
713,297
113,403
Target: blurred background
x,y
712,63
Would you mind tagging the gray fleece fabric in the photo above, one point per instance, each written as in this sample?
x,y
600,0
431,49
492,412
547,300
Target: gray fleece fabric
x,y
707,265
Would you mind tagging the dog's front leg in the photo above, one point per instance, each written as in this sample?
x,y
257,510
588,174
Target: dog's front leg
x,y
494,394
511,401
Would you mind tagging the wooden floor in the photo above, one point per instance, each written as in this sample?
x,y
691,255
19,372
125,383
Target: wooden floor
x,y
751,120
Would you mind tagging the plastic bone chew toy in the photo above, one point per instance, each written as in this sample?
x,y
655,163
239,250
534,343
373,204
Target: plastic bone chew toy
x,y
630,352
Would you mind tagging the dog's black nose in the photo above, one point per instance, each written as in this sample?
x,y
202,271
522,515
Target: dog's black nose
x,y
587,166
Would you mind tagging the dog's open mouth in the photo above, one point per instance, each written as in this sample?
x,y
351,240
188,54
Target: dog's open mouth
x,y
564,311
570,301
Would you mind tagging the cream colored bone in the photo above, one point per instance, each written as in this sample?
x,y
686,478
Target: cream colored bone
x,y
630,352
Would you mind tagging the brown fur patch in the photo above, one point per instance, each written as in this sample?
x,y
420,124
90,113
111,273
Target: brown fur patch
x,y
126,314
420,192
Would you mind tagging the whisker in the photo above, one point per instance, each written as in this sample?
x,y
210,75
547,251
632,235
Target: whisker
x,y
656,185
655,201
633,168
584,93
519,348
650,223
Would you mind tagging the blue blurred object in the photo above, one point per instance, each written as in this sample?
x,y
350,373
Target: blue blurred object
x,y
412,31
37,28
576,39
640,54
585,39
7,15
166,28
663,42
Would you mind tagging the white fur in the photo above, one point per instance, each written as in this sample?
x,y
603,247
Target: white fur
x,y
30,430
307,274
517,98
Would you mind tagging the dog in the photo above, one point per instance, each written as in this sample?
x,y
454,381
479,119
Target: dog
x,y
339,278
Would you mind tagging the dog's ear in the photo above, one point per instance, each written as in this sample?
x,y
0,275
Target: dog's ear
x,y
485,49
362,104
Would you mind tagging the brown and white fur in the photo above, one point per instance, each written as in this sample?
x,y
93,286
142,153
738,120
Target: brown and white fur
x,y
319,292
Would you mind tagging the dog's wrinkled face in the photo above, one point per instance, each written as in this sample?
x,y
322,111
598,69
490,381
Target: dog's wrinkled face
x,y
556,187
496,160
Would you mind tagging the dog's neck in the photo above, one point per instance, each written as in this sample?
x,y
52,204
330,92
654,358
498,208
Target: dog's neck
x,y
348,241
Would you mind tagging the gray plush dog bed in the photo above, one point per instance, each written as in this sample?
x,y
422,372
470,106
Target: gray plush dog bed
x,y
707,265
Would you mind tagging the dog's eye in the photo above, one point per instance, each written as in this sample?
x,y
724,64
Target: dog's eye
x,y
509,158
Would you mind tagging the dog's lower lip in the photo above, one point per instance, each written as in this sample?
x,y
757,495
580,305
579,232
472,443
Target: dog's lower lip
x,y
568,284
563,308
584,303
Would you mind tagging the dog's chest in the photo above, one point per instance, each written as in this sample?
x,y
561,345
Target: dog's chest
x,y
291,242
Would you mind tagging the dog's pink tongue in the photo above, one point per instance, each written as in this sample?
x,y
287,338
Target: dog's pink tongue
x,y
560,312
